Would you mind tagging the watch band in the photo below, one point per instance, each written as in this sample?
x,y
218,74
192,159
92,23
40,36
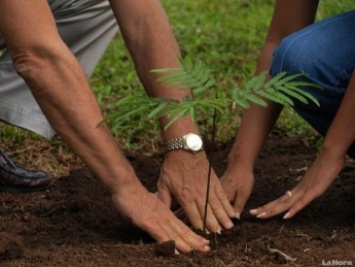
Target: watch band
x,y
190,142
176,143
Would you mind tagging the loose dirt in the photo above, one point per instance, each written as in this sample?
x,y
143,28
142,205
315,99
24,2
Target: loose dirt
x,y
73,223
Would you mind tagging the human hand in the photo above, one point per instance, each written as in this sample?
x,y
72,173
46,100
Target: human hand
x,y
148,213
238,185
313,184
184,175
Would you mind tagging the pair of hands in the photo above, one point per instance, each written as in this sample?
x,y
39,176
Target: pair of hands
x,y
323,171
182,176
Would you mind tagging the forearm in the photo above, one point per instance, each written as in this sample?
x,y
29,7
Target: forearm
x,y
341,133
256,124
152,45
289,16
60,87
61,90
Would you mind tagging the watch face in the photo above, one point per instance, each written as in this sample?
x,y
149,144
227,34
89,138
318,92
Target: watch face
x,y
193,142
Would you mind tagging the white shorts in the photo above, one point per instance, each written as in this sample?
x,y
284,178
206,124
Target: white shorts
x,y
87,27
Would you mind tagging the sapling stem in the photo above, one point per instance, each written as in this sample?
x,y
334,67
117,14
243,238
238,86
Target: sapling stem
x,y
211,154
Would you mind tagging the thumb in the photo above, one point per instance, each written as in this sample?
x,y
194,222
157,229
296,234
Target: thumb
x,y
164,195
239,203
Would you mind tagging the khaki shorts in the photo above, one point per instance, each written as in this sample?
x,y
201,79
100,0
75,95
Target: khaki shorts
x,y
87,27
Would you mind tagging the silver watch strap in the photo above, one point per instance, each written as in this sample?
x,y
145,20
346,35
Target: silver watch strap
x,y
172,144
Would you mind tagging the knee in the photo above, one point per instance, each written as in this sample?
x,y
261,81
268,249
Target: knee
x,y
294,55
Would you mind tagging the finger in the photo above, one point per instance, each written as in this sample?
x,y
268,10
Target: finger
x,y
185,239
302,202
275,207
163,226
211,221
240,201
239,204
163,235
226,204
164,195
180,214
219,212
193,214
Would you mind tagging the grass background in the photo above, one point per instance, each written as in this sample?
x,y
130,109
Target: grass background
x,y
226,35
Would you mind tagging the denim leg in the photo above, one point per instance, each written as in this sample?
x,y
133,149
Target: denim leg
x,y
325,52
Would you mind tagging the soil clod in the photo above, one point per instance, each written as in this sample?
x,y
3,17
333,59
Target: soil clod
x,y
11,246
166,249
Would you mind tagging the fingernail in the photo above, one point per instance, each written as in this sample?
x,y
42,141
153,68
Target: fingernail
x,y
286,215
207,242
229,225
219,231
176,252
254,211
261,215
237,215
206,248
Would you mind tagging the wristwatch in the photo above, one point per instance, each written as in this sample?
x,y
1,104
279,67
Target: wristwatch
x,y
190,142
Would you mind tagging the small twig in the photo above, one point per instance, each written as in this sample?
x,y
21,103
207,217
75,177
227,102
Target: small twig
x,y
210,169
283,254
282,227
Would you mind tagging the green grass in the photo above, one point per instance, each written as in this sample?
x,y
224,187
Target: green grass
x,y
226,35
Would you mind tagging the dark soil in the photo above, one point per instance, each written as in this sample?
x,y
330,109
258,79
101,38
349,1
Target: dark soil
x,y
74,223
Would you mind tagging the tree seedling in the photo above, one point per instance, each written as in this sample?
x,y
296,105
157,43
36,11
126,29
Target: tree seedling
x,y
282,88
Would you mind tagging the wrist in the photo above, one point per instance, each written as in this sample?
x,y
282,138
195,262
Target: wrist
x,y
190,142
120,179
176,156
237,159
331,152
179,128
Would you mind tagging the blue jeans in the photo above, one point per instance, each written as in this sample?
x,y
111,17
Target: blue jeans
x,y
325,51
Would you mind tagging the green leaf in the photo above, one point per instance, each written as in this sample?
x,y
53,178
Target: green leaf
x,y
256,82
186,98
172,78
305,84
158,109
283,98
275,79
165,70
256,100
186,64
293,94
204,88
271,96
176,117
306,94
286,79
241,102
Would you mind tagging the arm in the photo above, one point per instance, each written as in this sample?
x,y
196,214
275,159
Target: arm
x,y
59,85
149,38
257,122
152,45
325,168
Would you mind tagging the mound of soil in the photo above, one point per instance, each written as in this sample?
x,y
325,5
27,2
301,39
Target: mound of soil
x,y
74,223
